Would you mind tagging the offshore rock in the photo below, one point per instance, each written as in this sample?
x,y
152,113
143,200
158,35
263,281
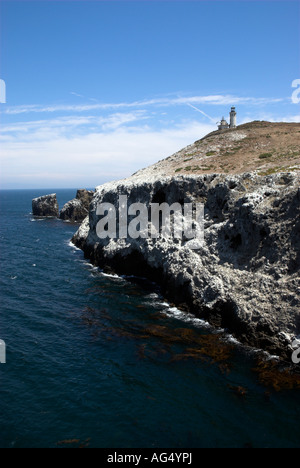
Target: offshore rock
x,y
246,276
45,206
77,209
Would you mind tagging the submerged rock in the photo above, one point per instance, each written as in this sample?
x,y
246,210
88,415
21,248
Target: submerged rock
x,y
45,206
245,278
77,209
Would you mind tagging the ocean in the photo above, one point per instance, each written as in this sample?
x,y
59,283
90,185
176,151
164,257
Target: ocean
x,y
103,361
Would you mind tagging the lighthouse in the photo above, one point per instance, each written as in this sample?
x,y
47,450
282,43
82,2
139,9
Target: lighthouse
x,y
232,118
224,125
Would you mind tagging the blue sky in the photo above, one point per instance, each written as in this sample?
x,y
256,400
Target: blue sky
x,y
96,90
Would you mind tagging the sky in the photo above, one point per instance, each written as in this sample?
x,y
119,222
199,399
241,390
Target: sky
x,y
96,90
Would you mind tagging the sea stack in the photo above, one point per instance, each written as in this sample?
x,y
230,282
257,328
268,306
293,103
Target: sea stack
x,y
45,206
77,209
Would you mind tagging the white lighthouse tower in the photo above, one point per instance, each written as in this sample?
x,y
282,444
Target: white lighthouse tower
x,y
232,118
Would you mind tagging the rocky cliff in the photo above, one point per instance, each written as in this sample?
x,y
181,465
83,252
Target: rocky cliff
x,y
245,278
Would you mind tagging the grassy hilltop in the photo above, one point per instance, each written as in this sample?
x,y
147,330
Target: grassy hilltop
x,y
265,147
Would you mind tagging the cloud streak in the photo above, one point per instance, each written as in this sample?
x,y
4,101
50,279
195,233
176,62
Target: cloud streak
x,y
162,102
201,112
74,123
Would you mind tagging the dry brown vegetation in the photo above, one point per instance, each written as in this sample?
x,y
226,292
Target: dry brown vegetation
x,y
265,147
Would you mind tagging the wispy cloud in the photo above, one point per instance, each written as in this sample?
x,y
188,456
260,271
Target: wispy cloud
x,y
162,102
71,124
76,94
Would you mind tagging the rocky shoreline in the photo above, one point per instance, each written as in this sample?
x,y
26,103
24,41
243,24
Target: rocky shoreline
x,y
245,278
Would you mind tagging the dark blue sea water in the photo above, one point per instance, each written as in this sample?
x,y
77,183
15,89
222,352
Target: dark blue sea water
x,y
98,361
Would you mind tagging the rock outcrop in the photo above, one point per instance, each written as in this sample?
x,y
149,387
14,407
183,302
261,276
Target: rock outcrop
x,y
77,209
45,206
245,278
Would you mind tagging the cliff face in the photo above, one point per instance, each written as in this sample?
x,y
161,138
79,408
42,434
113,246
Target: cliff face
x,y
245,278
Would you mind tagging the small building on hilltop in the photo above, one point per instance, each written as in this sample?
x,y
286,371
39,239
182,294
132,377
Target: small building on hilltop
x,y
224,125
